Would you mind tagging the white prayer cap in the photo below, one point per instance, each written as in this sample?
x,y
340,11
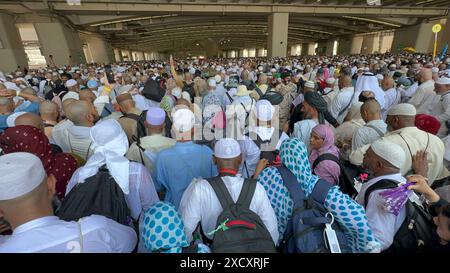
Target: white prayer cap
x,y
218,78
125,88
71,95
71,83
273,70
212,82
264,110
11,119
402,109
435,70
176,92
21,173
393,65
260,68
183,120
379,77
242,91
185,95
443,80
310,84
192,70
389,151
227,148
330,80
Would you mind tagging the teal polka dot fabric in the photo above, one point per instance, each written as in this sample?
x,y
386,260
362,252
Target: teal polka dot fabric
x,y
349,214
163,230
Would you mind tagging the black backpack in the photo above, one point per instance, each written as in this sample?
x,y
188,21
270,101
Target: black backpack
x,y
153,90
416,232
348,173
140,122
273,97
271,156
305,230
99,194
244,231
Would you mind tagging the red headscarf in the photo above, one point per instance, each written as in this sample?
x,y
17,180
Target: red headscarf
x,y
24,138
427,123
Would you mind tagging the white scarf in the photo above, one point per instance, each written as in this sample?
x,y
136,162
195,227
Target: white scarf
x,y
368,82
110,144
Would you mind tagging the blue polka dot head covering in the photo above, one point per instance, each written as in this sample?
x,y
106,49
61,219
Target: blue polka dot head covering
x,y
163,229
294,155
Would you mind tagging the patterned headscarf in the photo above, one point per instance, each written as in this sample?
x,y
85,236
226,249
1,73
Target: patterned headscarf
x,y
328,147
29,139
349,214
163,229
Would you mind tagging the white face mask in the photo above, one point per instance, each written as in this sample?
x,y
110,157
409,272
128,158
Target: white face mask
x,y
176,92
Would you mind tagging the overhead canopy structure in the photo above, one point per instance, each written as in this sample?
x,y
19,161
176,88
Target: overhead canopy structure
x,y
177,24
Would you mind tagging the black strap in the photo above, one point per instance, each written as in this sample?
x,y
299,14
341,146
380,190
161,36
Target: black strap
x,y
131,116
379,132
247,192
229,97
258,91
380,185
409,148
348,105
221,191
48,125
324,157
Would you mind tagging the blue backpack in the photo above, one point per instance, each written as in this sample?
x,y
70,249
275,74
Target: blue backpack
x,y
305,229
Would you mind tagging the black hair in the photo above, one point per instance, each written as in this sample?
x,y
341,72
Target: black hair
x,y
445,211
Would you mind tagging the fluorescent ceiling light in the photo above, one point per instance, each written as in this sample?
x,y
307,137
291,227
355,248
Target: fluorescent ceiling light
x,y
372,21
133,19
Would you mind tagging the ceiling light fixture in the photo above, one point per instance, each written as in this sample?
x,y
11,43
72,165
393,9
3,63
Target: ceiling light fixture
x,y
372,21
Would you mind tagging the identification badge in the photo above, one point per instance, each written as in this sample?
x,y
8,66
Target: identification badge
x,y
330,236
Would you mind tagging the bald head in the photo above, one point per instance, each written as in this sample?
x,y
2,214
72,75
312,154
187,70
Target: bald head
x,y
425,74
387,83
183,102
29,91
371,110
345,81
6,105
87,95
79,112
29,119
49,110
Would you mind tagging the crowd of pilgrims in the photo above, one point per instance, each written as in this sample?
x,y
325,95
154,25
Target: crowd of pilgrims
x,y
150,156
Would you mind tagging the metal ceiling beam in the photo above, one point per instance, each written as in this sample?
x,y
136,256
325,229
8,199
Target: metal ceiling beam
x,y
229,8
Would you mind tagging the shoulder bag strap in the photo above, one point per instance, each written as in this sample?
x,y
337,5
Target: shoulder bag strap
x,y
382,184
379,132
323,157
221,191
247,192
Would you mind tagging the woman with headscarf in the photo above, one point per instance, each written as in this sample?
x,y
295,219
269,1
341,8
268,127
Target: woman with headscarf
x,y
110,143
349,214
163,231
24,138
321,143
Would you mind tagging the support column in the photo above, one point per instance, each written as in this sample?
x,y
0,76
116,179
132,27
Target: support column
x,y
118,55
12,54
101,51
61,42
278,35
419,36
311,48
356,46
344,46
304,49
